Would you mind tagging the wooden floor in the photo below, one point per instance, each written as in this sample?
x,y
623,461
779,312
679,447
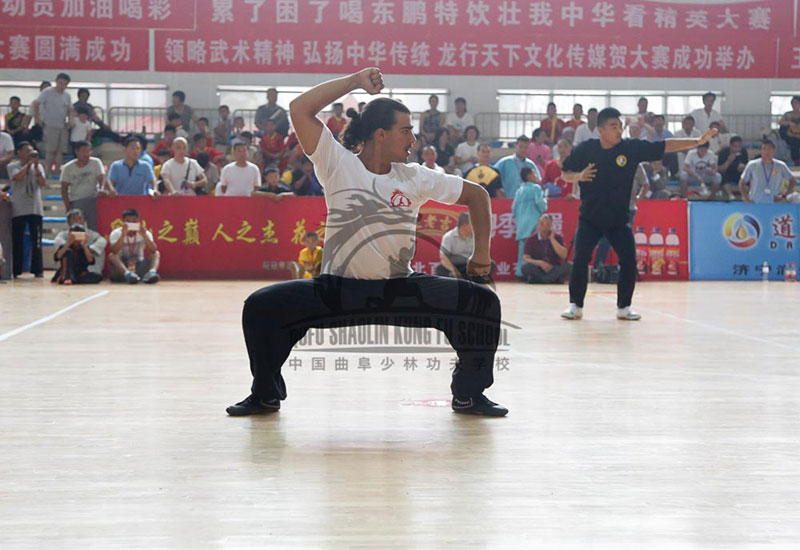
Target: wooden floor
x,y
681,431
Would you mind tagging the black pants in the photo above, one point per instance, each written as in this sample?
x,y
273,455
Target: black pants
x,y
34,224
536,275
460,263
276,317
74,266
586,238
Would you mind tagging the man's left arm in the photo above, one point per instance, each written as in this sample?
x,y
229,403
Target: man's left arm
x,y
476,199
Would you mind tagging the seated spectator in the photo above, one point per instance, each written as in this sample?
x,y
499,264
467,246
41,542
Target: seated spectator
x,y
509,167
27,181
762,178
529,203
273,147
274,112
185,113
211,172
80,252
127,254
203,130
699,168
201,145
444,150
131,175
431,121
484,174
466,154
239,178
253,153
545,255
660,133
731,162
458,121
577,117
17,122
81,130
273,187
238,130
166,141
103,129
716,142
304,181
687,131
789,129
705,116
309,261
162,156
552,125
175,121
538,150
336,122
429,159
81,181
650,182
183,175
588,130
224,126
554,184
456,249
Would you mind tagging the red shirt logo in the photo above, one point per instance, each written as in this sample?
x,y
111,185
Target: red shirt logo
x,y
399,199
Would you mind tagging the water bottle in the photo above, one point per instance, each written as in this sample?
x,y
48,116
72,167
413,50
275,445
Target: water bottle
x,y
765,271
787,272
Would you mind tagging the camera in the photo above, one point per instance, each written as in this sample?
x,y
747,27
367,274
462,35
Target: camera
x,y
79,236
132,226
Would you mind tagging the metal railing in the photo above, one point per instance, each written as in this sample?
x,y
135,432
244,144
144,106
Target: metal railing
x,y
150,121
28,109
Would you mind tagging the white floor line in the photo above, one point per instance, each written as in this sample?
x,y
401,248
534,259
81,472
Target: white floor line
x,y
9,334
708,326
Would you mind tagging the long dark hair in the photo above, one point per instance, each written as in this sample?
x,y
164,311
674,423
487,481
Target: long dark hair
x,y
378,113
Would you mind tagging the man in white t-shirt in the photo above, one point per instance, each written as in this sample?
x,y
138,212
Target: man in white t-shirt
x,y
239,178
458,121
456,248
373,202
429,159
127,254
6,153
705,116
588,130
182,175
699,168
81,178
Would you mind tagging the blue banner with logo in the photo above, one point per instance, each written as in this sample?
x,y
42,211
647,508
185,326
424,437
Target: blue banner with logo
x,y
733,240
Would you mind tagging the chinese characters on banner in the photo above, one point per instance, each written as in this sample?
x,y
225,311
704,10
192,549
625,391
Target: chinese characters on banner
x,y
59,48
103,14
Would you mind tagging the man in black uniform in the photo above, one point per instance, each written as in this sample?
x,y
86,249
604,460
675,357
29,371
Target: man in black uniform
x,y
605,168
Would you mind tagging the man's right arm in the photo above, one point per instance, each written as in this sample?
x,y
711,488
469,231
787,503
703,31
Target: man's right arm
x,y
65,194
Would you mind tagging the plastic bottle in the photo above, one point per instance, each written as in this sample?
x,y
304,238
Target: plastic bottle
x,y
673,251
640,238
656,253
787,272
765,271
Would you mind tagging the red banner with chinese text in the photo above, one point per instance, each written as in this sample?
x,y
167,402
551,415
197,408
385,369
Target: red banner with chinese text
x,y
102,14
209,237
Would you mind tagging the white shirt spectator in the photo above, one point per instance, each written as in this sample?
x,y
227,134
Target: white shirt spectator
x,y
459,123
177,172
583,133
454,245
6,144
703,120
699,164
80,130
132,248
54,107
682,134
82,180
466,151
241,181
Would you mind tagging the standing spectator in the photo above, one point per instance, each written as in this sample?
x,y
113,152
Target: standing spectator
x,y
444,150
183,175
81,178
175,120
51,111
429,159
731,162
16,121
104,130
484,174
274,112
509,167
705,116
203,129
554,184
529,203
27,180
552,125
36,133
273,146
80,252
336,122
201,146
543,259
431,121
7,149
224,126
131,175
699,168
304,181
211,171
81,130
167,138
588,130
762,178
577,117
466,155
456,249
538,150
127,255
642,114
789,129
184,111
239,178
458,121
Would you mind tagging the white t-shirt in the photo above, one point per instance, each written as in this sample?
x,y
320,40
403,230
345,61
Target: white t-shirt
x,y
6,144
699,164
240,180
177,172
436,168
80,130
467,151
583,133
702,120
82,180
459,123
454,245
371,224
131,248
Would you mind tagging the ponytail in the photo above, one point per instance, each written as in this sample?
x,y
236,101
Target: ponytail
x,y
351,136
378,113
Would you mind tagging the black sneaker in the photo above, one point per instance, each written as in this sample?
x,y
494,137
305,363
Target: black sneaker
x,y
479,405
254,405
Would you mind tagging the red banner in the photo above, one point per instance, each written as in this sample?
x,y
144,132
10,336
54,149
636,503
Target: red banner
x,y
104,14
34,47
209,237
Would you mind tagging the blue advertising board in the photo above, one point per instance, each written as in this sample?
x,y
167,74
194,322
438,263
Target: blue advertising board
x,y
733,240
